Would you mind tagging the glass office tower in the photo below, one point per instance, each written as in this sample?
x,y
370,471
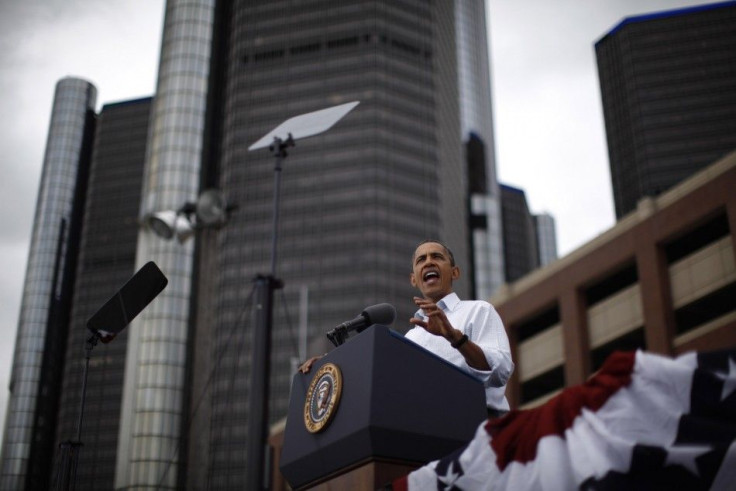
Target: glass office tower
x,y
41,330
476,119
546,238
106,262
668,86
155,383
355,200
520,233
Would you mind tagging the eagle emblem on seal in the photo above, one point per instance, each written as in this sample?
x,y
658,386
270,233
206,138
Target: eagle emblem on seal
x,y
323,396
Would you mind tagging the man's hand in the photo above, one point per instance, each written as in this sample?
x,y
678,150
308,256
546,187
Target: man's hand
x,y
307,365
437,322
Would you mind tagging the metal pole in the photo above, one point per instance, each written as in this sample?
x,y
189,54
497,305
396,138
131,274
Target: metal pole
x,y
91,343
303,321
261,360
275,221
278,148
67,475
259,387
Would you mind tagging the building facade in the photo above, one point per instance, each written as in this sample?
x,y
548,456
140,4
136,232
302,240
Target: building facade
x,y
154,412
476,120
668,86
662,279
354,200
521,253
529,241
42,324
544,224
101,256
106,261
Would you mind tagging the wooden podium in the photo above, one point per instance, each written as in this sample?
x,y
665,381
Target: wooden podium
x,y
399,407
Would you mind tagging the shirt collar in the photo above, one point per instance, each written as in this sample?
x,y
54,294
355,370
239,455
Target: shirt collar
x,y
449,302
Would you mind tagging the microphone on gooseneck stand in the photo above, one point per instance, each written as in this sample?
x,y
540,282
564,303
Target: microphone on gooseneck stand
x,y
382,313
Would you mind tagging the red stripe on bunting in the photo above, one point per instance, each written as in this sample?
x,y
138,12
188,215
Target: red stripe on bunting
x,y
515,436
401,484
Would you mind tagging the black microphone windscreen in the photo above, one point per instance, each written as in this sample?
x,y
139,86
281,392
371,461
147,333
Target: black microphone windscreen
x,y
382,313
128,302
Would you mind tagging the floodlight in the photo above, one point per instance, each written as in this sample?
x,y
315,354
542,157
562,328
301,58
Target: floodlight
x,y
211,208
162,223
183,229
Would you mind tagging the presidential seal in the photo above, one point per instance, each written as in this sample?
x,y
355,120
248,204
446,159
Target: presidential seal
x,y
323,396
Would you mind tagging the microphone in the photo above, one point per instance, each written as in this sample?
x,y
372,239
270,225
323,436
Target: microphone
x,y
127,303
382,313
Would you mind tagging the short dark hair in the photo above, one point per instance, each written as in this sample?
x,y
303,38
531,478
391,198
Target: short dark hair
x,y
435,241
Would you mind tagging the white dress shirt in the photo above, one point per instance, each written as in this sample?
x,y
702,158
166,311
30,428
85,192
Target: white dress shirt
x,y
480,321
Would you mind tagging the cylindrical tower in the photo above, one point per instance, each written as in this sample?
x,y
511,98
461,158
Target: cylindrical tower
x,y
74,101
154,387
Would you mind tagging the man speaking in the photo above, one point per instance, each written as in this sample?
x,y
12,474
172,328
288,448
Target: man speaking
x,y
467,333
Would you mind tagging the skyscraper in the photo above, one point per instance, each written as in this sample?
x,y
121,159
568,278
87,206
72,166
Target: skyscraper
x,y
668,85
157,364
106,261
476,120
100,257
520,237
546,238
93,251
42,325
354,200
529,241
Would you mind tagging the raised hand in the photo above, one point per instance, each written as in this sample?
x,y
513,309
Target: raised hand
x,y
437,322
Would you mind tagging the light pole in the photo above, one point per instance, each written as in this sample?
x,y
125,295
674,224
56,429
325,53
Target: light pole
x,y
278,140
105,325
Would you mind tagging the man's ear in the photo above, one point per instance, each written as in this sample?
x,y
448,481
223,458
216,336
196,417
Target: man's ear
x,y
412,280
455,273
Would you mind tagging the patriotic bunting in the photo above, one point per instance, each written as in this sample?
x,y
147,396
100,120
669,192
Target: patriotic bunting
x,y
643,422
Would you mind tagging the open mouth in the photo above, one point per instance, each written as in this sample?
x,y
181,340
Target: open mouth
x,y
431,277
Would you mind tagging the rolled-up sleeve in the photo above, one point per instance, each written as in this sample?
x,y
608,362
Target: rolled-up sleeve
x,y
485,328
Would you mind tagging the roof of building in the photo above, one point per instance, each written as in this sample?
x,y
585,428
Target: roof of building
x,y
647,208
662,15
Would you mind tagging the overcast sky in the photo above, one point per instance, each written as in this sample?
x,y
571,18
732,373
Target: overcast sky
x,y
550,138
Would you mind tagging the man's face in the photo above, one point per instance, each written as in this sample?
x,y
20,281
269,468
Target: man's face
x,y
432,271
